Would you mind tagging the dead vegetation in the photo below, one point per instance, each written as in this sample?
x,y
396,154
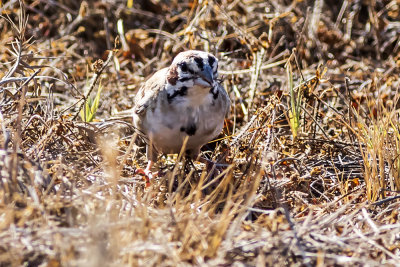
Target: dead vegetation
x,y
311,147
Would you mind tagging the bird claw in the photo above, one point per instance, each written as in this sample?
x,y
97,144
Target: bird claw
x,y
147,175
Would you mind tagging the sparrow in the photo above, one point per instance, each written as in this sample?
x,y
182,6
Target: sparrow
x,y
183,101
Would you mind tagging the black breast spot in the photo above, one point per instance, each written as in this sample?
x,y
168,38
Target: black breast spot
x,y
190,129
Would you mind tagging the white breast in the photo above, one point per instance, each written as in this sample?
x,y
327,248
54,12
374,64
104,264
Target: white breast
x,y
166,128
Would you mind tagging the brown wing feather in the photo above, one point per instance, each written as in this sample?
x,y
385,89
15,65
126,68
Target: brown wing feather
x,y
148,93
145,99
226,101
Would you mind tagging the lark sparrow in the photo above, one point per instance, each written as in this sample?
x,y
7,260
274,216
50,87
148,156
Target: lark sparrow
x,y
185,99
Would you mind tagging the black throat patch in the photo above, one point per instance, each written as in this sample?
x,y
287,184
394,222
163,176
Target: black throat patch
x,y
180,92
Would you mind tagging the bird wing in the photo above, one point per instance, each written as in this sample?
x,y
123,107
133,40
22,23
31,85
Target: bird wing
x,y
148,93
225,101
145,99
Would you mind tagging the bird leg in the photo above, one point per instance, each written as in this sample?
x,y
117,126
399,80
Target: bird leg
x,y
147,172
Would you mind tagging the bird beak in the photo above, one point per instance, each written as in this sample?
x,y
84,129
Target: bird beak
x,y
207,75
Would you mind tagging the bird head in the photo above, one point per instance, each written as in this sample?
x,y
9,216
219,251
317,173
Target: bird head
x,y
194,67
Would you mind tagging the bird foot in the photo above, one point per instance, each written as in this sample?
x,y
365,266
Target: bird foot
x,y
147,175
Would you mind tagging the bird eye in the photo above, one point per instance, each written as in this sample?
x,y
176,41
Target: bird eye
x,y
183,67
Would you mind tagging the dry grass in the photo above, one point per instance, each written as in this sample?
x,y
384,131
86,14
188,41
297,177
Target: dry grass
x,y
311,148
